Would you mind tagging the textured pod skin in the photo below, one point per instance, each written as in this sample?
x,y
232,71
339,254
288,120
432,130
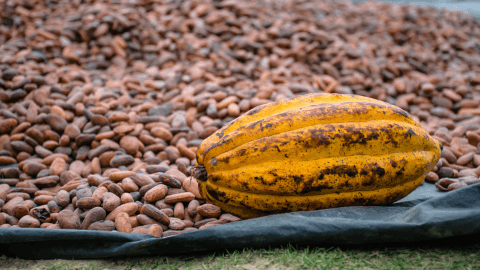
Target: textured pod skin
x,y
313,152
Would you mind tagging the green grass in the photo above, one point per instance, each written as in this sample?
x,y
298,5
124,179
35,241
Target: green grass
x,y
432,255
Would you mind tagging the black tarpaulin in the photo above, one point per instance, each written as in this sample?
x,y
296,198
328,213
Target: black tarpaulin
x,y
426,214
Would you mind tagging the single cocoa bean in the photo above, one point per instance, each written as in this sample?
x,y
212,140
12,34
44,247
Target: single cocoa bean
x,y
94,215
209,210
129,208
156,193
155,214
28,221
181,197
68,220
110,201
88,202
106,225
122,223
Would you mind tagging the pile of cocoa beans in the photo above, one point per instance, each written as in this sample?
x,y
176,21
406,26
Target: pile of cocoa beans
x,y
104,103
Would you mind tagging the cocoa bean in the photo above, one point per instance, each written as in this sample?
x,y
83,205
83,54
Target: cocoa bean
x,y
229,217
155,214
181,197
142,179
213,223
431,177
121,160
62,198
179,210
146,220
151,169
110,201
28,221
94,215
209,210
122,223
68,220
106,225
33,168
202,222
167,211
176,224
191,185
19,210
53,207
43,199
445,172
119,176
129,186
156,193
129,208
88,202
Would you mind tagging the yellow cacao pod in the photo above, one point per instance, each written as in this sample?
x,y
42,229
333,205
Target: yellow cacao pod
x,y
313,152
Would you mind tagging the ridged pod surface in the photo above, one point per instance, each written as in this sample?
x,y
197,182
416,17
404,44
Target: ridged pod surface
x,y
313,152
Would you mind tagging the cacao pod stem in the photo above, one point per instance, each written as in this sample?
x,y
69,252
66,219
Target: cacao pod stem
x,y
199,172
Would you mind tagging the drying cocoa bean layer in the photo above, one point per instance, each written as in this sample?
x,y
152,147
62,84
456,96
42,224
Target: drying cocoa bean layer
x,y
104,103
